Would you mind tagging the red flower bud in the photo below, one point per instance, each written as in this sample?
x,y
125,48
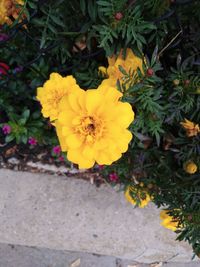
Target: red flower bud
x,y
119,16
186,82
150,72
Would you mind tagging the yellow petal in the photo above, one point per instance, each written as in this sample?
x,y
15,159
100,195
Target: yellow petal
x,y
89,152
66,117
61,138
75,155
103,159
125,114
110,82
73,141
93,100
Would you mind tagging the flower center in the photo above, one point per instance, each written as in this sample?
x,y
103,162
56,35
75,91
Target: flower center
x,y
89,128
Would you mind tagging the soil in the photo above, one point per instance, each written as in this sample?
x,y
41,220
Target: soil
x,y
39,159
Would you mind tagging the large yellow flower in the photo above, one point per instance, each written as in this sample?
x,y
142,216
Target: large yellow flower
x,y
92,126
52,92
130,64
191,128
141,198
168,221
8,8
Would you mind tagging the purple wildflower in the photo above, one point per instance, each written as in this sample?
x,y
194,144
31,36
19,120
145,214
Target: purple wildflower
x,y
56,150
113,177
32,141
6,129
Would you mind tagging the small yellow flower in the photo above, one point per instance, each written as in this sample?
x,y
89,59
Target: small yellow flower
x,y
8,8
92,126
191,128
142,198
130,64
53,91
190,167
168,221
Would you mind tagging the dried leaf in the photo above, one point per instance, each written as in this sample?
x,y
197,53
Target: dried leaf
x,y
10,151
160,264
76,263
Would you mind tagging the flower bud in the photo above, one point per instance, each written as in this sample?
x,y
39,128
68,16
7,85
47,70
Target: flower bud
x,y
176,82
119,16
150,72
190,167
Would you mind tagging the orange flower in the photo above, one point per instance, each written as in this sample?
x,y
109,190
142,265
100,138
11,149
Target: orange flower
x,y
9,8
191,128
130,64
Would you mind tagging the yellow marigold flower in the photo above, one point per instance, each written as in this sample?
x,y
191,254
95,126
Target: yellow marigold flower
x,y
92,126
190,167
8,8
130,64
168,221
142,198
191,128
52,92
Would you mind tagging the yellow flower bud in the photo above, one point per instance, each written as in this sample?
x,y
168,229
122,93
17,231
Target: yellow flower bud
x,y
190,167
176,82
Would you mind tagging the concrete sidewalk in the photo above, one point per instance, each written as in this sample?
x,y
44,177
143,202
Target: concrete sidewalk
x,y
22,256
62,213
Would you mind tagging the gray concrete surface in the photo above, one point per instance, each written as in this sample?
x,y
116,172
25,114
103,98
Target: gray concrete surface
x,y
67,214
21,256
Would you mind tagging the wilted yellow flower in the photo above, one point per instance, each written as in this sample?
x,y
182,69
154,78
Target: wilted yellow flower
x,y
168,221
142,198
92,126
8,8
190,167
191,128
52,92
130,64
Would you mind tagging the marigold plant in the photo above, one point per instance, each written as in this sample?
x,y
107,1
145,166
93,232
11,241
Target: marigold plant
x,y
116,83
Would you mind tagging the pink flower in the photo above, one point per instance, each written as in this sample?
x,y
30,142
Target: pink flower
x,y
32,141
6,129
56,150
61,158
113,177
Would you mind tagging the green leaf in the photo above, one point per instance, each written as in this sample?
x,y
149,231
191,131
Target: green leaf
x,y
83,6
9,138
26,114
